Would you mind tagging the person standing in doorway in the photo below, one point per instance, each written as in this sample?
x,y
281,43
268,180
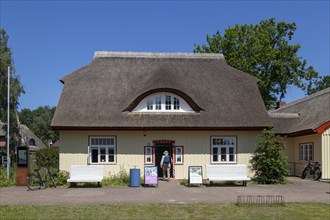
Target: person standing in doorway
x,y
165,163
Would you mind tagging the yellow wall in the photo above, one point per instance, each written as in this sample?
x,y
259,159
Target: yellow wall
x,y
326,154
130,148
292,151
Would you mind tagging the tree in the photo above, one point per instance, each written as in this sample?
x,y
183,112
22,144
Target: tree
x,y
16,89
263,50
320,83
39,121
268,161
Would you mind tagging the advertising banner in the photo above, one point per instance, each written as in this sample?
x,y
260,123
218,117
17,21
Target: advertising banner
x,y
195,175
150,175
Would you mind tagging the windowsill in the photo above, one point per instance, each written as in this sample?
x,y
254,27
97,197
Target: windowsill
x,y
102,164
222,163
178,163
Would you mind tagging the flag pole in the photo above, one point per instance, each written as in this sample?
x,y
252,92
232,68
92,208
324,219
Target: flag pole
x,y
8,114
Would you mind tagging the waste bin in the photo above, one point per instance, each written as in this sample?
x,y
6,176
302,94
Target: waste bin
x,y
134,177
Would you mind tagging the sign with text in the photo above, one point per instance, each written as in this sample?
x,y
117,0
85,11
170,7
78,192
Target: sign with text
x,y
195,175
151,175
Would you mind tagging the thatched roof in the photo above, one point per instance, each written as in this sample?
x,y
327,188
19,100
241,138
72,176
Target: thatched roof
x,y
26,135
102,94
303,115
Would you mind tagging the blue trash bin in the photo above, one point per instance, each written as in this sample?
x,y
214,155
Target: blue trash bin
x,y
134,177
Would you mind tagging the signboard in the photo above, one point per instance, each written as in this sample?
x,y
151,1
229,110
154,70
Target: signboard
x,y
195,175
22,156
150,175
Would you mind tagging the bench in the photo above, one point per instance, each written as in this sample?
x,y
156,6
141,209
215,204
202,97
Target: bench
x,y
82,173
234,172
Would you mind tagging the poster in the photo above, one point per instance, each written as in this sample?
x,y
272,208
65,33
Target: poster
x,y
151,175
195,175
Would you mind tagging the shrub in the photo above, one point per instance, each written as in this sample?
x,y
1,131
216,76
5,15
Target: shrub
x,y
268,161
61,178
11,181
47,157
120,179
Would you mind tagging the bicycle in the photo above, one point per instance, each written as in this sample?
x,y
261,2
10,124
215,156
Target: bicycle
x,y
35,181
313,169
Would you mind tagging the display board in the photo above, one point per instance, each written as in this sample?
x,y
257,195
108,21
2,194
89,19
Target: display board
x,y
22,157
195,175
150,175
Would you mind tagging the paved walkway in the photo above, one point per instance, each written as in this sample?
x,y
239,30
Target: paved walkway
x,y
297,190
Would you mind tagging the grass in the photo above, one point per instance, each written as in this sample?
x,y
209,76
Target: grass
x,y
168,211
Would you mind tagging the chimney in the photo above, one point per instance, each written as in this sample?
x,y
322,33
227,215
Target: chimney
x,y
280,104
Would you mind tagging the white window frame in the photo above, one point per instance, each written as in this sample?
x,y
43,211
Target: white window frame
x,y
148,154
178,155
222,145
103,142
163,102
306,151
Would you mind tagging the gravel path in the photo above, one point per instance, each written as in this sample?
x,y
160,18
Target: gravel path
x,y
297,190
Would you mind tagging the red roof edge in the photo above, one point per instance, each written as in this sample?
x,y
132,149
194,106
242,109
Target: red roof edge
x,y
321,129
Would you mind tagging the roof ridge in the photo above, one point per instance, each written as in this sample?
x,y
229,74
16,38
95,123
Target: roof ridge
x,y
304,99
98,54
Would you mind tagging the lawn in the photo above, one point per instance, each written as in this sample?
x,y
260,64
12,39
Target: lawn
x,y
168,211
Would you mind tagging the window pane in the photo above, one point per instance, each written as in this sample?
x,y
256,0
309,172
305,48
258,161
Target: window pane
x,y
94,155
111,150
176,103
231,150
223,150
215,158
92,141
223,158
149,104
178,159
215,150
108,141
111,158
148,159
158,103
168,102
231,158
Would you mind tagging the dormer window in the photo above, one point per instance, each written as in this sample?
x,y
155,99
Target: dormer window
x,y
163,102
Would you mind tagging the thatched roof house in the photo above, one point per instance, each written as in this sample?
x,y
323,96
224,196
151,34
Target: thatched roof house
x,y
126,109
306,124
104,93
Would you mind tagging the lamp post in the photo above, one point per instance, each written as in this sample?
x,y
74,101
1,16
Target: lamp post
x,y
8,114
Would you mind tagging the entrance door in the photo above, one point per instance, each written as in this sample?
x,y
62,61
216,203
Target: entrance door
x,y
159,152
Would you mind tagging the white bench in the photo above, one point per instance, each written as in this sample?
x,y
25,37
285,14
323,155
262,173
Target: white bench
x,y
82,173
234,172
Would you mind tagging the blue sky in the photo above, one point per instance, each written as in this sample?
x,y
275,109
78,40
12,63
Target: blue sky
x,y
50,39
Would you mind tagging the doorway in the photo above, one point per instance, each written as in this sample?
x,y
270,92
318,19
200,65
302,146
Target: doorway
x,y
159,152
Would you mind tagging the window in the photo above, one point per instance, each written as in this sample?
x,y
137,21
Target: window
x,y
176,103
158,103
149,105
178,155
168,102
223,149
148,155
163,102
306,152
102,150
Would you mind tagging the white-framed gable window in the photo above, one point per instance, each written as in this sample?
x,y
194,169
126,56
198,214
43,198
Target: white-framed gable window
x,y
163,102
223,149
102,150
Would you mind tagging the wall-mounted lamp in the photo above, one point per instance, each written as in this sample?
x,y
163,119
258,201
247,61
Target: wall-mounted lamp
x,y
144,133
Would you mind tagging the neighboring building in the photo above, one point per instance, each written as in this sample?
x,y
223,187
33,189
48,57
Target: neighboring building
x,y
124,110
306,125
28,138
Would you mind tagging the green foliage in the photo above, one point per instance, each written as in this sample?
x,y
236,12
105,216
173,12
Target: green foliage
x,y
61,178
47,157
119,179
4,182
16,89
268,161
39,122
320,83
263,50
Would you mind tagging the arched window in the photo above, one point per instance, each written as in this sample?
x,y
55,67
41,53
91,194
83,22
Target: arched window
x,y
32,142
163,102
